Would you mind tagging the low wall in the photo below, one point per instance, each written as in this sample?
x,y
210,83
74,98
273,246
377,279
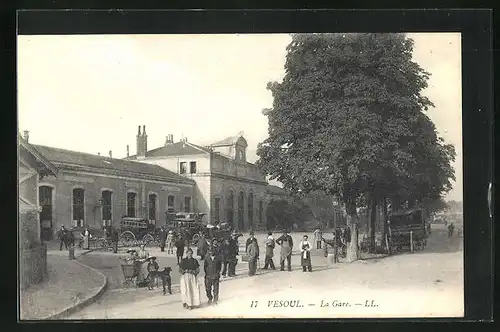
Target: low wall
x,y
33,266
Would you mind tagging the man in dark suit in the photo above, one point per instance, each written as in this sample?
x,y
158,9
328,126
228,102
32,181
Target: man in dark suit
x,y
163,237
212,265
63,237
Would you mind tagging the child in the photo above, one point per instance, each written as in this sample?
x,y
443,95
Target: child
x,y
152,269
166,280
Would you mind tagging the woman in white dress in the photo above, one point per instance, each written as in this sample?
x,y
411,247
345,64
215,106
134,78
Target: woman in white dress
x,y
305,258
190,291
142,256
86,237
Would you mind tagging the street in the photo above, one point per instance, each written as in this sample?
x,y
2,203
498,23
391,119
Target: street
x,y
428,283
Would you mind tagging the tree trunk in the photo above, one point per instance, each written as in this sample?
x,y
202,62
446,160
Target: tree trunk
x,y
385,216
352,223
373,217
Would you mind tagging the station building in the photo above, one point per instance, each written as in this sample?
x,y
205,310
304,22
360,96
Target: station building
x,y
95,191
228,187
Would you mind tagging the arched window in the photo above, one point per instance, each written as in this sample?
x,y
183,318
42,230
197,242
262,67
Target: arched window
x,y
229,208
107,207
45,202
217,210
241,210
78,207
187,204
131,201
152,207
250,209
171,204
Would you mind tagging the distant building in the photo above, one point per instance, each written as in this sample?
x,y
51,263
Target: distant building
x,y
95,191
228,188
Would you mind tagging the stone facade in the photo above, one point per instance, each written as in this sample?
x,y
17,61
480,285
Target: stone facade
x,y
228,188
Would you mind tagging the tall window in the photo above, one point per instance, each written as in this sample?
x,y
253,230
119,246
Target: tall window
x,y
171,204
78,206
229,208
187,204
107,207
250,209
241,211
217,210
192,167
152,207
182,167
131,198
261,211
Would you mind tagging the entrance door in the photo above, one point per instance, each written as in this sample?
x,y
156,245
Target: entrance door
x,y
46,216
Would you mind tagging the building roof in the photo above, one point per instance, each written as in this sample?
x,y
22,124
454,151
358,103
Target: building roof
x,y
275,190
42,162
231,140
83,161
174,149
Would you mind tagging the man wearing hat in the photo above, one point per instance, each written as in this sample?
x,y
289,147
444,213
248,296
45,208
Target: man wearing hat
x,y
170,242
163,238
62,236
286,243
232,252
212,265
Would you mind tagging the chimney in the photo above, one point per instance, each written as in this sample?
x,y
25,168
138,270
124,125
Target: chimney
x,y
98,153
169,139
144,140
127,151
110,154
140,143
26,136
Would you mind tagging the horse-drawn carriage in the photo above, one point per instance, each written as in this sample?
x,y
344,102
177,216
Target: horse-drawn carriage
x,y
407,229
134,231
220,232
187,225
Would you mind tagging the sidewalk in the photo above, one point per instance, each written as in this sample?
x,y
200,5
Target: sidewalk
x,y
68,283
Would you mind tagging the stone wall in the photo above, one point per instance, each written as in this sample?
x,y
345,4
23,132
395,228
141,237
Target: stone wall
x,y
32,265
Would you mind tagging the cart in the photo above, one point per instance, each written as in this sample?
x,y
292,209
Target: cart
x,y
187,225
137,231
407,230
130,273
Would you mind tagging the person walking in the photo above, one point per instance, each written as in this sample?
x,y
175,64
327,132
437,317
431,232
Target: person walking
x,y
190,290
86,236
270,245
202,246
170,242
62,236
305,257
451,228
179,245
212,266
286,243
318,236
163,238
70,240
253,256
225,256
233,251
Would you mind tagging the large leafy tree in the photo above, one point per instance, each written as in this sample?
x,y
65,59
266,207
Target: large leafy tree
x,y
345,119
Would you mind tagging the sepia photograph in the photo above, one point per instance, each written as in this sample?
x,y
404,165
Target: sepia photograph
x,y
200,176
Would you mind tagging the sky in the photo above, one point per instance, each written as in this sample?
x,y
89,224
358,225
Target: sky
x,y
89,93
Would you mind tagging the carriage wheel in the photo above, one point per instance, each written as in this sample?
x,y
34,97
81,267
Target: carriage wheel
x,y
127,238
147,239
195,238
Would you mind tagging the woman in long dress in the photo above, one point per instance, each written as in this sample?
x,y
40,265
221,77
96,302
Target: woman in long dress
x,y
305,257
143,256
190,291
86,237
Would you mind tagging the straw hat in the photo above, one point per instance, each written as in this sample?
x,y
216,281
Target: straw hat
x,y
151,257
131,250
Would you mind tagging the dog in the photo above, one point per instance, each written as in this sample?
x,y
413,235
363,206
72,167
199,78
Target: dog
x,y
165,278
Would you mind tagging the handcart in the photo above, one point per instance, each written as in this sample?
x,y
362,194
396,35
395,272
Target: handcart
x,y
130,273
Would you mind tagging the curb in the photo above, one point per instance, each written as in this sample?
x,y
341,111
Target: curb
x,y
84,302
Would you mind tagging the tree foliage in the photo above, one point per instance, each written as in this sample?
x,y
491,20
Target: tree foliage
x,y
348,119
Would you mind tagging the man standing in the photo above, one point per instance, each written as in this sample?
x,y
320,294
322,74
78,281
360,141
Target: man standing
x,y
114,240
170,242
286,243
233,251
225,251
179,245
212,265
318,235
269,252
249,240
63,237
163,238
253,255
